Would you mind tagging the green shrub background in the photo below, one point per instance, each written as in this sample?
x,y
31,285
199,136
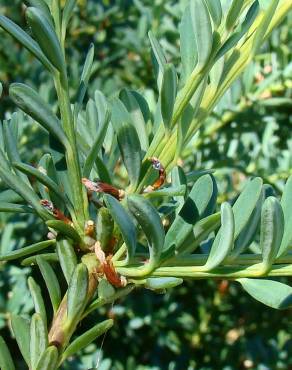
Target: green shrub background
x,y
200,325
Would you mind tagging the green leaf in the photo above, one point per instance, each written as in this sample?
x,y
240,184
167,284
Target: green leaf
x,y
51,282
134,103
246,203
104,228
167,192
64,229
168,94
30,102
156,48
88,337
24,39
105,289
46,167
272,227
102,170
21,331
20,187
286,202
86,72
150,222
43,6
264,25
240,31
46,37
27,250
49,359
189,115
67,12
194,175
246,236
6,362
10,196
215,10
271,293
11,149
50,257
224,240
233,13
15,208
67,258
276,102
102,107
59,163
125,224
97,145
38,339
202,31
55,8
199,203
159,58
36,294
178,179
77,292
201,231
88,126
216,73
128,141
44,179
188,46
162,283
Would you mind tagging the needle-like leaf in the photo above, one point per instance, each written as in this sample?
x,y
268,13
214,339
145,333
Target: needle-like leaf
x,y
6,362
67,258
46,37
23,38
21,330
27,250
49,359
88,337
202,31
77,292
30,102
128,141
51,281
64,229
38,339
168,94
125,224
37,298
150,222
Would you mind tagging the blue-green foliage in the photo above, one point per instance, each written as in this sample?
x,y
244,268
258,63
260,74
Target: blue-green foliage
x,y
249,134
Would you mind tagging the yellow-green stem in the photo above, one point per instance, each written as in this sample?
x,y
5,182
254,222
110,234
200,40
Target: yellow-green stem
x,y
226,272
201,259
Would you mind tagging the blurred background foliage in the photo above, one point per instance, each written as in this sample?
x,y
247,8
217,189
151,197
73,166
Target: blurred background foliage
x,y
201,325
